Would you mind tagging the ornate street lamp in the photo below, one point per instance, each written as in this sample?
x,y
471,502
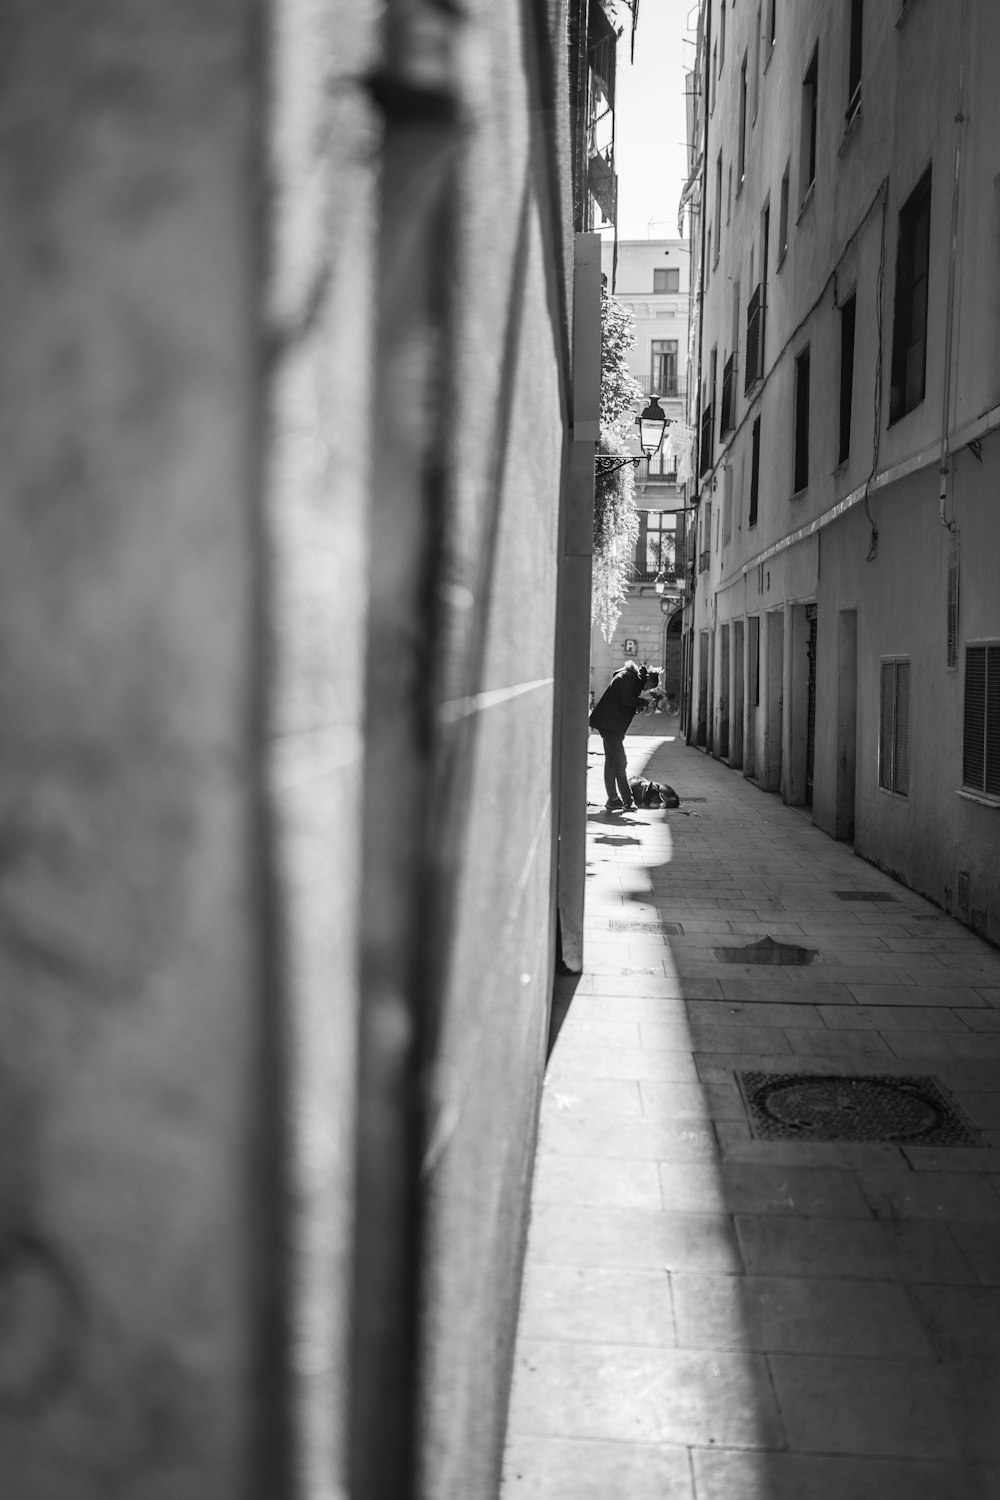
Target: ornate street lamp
x,y
653,423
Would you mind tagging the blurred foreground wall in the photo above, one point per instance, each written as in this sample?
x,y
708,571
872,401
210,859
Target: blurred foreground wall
x,y
285,498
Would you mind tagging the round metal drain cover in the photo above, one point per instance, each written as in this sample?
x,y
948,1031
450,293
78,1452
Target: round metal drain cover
x,y
809,1107
849,1108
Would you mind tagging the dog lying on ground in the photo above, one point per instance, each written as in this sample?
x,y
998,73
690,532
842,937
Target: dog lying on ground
x,y
653,793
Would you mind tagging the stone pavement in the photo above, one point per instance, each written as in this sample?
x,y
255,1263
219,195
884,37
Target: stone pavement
x,y
711,1316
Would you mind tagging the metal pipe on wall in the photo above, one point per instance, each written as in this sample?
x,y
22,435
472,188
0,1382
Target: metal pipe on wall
x,y
417,91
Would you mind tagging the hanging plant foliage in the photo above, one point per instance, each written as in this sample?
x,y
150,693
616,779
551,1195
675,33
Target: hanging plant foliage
x,y
616,523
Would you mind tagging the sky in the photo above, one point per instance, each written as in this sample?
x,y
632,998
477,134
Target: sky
x,y
650,118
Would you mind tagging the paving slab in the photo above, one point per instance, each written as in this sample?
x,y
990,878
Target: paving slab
x,y
726,1475
546,1468
711,1315
807,1315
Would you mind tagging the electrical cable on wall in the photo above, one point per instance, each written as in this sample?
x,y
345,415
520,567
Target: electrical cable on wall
x,y
877,424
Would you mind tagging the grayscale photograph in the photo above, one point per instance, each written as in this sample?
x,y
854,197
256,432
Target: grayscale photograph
x,y
500,823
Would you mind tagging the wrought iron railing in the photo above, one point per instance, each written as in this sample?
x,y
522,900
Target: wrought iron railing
x,y
674,390
661,470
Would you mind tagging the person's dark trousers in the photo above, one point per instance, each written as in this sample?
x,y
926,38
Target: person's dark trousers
x,y
615,767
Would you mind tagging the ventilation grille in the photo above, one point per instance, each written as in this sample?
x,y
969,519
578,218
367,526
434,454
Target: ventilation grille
x,y
981,739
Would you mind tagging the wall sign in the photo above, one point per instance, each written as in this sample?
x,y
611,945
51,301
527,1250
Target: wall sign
x,y
631,646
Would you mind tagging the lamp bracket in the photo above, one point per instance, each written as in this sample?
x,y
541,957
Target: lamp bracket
x,y
606,463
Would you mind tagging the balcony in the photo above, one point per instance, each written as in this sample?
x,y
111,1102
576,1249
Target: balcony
x,y
727,415
670,389
706,447
648,576
755,338
662,469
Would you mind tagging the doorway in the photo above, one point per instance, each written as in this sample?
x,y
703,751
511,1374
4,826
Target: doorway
x,y
710,726
701,733
801,703
724,694
753,694
736,751
775,700
847,723
811,618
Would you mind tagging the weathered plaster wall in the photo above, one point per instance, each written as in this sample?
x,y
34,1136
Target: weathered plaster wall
x,y
186,395
511,395
138,1144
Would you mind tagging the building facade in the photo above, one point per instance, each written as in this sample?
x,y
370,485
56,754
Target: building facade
x,y
296,609
846,632
651,278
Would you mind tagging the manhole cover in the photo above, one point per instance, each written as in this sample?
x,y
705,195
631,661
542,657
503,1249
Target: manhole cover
x,y
767,951
811,1107
673,929
863,896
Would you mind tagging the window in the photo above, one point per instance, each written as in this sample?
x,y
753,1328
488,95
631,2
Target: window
x,y
755,472
727,407
729,194
667,280
909,322
718,205
755,339
894,728
981,738
783,216
707,418
756,65
659,547
663,375
854,60
713,75
755,659
807,136
848,312
722,36
771,8
765,244
727,502
743,118
801,421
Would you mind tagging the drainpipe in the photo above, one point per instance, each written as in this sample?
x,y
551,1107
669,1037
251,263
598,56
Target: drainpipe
x,y
417,88
952,263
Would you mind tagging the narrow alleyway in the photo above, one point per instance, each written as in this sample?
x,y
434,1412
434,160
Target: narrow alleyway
x,y
711,1315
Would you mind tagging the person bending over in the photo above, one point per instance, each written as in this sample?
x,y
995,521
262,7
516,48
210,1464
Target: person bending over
x,y
611,718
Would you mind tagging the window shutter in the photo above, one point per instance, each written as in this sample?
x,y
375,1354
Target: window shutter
x,y
901,747
885,729
974,738
993,721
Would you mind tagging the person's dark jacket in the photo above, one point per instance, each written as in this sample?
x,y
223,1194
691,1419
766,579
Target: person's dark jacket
x,y
616,709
